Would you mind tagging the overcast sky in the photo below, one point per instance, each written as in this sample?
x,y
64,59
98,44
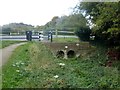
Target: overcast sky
x,y
35,12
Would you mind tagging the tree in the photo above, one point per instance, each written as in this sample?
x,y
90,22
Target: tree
x,y
51,24
80,26
6,30
16,27
106,17
74,22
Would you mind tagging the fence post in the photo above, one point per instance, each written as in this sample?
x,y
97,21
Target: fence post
x,y
56,33
51,36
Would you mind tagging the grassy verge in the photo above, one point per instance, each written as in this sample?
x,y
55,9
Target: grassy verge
x,y
7,43
66,39
14,70
33,66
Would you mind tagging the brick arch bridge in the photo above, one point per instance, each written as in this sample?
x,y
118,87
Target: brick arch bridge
x,y
69,50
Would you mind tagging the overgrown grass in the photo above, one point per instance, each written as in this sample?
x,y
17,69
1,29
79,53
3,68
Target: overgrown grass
x,y
6,43
66,39
33,66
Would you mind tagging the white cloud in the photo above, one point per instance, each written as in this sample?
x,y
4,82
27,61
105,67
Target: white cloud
x,y
35,12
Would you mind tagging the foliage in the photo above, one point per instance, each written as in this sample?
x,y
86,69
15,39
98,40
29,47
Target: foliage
x,y
83,33
74,22
16,28
6,30
105,17
39,28
51,24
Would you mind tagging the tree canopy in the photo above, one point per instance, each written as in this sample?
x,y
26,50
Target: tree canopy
x,y
16,27
105,17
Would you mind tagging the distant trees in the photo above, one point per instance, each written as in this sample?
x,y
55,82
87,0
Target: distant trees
x,y
80,26
74,22
52,24
16,28
6,30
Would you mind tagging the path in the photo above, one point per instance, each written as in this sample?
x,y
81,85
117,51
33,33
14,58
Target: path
x,y
6,52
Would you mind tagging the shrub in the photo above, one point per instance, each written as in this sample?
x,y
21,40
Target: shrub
x,y
83,33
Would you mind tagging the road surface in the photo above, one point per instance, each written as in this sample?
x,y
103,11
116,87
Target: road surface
x,y
23,37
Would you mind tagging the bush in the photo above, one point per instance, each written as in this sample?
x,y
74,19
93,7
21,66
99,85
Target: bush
x,y
83,33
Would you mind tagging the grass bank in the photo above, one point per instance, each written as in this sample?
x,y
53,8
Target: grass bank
x,y
6,43
33,66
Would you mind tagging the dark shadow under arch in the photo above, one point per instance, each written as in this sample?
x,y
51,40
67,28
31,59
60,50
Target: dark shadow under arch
x,y
60,54
71,54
